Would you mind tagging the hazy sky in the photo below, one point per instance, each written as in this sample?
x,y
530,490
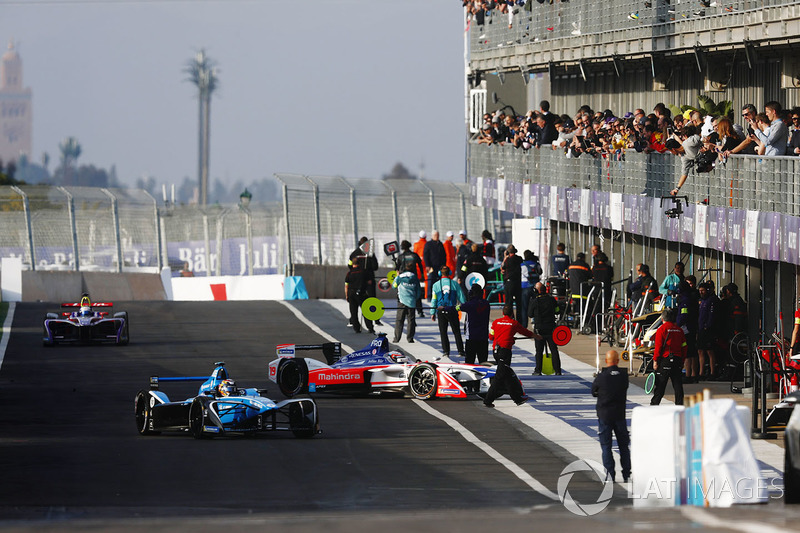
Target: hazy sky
x,y
334,87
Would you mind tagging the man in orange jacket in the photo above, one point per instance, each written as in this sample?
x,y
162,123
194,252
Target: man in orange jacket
x,y
450,252
419,249
668,357
502,333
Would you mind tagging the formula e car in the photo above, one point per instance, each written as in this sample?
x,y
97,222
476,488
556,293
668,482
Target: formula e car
x,y
375,369
85,325
222,408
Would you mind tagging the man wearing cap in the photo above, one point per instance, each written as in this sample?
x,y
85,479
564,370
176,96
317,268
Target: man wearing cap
x,y
668,356
419,249
446,296
476,326
450,252
408,292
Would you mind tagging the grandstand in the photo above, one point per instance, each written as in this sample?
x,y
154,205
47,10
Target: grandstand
x,y
742,219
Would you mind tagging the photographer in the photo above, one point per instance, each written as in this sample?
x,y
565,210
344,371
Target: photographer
x,y
690,146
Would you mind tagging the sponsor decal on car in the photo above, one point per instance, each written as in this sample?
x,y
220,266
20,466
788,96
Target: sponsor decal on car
x,y
212,429
337,377
284,350
312,387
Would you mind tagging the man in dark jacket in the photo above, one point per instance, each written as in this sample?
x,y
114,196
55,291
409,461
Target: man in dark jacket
x,y
512,281
578,274
476,324
475,262
644,287
610,387
560,261
707,322
364,260
464,249
543,309
434,257
603,273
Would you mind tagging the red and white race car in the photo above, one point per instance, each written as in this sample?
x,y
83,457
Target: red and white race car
x,y
374,369
85,325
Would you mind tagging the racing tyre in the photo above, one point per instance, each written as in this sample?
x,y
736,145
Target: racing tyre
x,y
143,414
125,338
791,479
423,381
302,420
197,419
293,377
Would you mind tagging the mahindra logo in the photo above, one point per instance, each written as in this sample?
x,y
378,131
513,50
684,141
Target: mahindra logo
x,y
337,377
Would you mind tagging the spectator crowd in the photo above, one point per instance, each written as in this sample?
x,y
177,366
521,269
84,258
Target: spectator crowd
x,y
773,132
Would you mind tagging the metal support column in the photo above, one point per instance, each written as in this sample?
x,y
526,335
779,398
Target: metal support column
x,y
115,223
353,210
433,205
248,220
73,227
159,237
220,228
285,194
317,223
207,243
395,214
26,208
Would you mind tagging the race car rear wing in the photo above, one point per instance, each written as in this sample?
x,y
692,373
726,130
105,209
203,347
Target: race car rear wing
x,y
95,304
331,350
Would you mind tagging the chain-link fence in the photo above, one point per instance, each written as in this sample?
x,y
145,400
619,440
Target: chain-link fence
x,y
318,222
327,214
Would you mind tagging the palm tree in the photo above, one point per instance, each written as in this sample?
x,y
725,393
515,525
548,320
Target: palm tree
x,y
70,150
203,74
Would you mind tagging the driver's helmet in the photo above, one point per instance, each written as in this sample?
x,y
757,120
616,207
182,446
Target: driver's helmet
x,y
227,388
85,310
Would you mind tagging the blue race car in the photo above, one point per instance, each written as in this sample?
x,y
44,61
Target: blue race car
x,y
221,408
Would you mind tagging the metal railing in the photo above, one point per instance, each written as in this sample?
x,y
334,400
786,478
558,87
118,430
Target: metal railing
x,y
326,215
584,25
318,222
742,182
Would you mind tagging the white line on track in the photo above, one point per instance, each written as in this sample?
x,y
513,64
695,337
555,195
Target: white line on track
x,y
6,331
311,325
491,452
464,432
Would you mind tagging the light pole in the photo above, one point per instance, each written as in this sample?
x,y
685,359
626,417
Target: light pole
x,y
203,74
244,205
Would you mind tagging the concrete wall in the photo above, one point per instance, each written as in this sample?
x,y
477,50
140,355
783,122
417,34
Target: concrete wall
x,y
323,281
102,286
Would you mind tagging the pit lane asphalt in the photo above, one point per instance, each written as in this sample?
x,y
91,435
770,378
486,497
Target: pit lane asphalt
x,y
71,457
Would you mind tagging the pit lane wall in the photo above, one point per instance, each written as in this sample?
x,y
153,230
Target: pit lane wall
x,y
312,281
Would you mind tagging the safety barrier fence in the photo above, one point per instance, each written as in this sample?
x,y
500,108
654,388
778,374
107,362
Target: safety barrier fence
x,y
318,222
749,206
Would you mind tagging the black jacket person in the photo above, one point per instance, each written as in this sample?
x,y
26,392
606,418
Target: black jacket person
x,y
544,309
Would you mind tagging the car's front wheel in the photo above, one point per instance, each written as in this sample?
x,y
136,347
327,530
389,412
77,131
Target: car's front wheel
x,y
293,377
302,419
143,416
422,381
197,419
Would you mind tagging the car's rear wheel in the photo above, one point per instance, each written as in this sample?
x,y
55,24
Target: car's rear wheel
x,y
302,419
197,418
293,377
791,478
423,381
143,415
